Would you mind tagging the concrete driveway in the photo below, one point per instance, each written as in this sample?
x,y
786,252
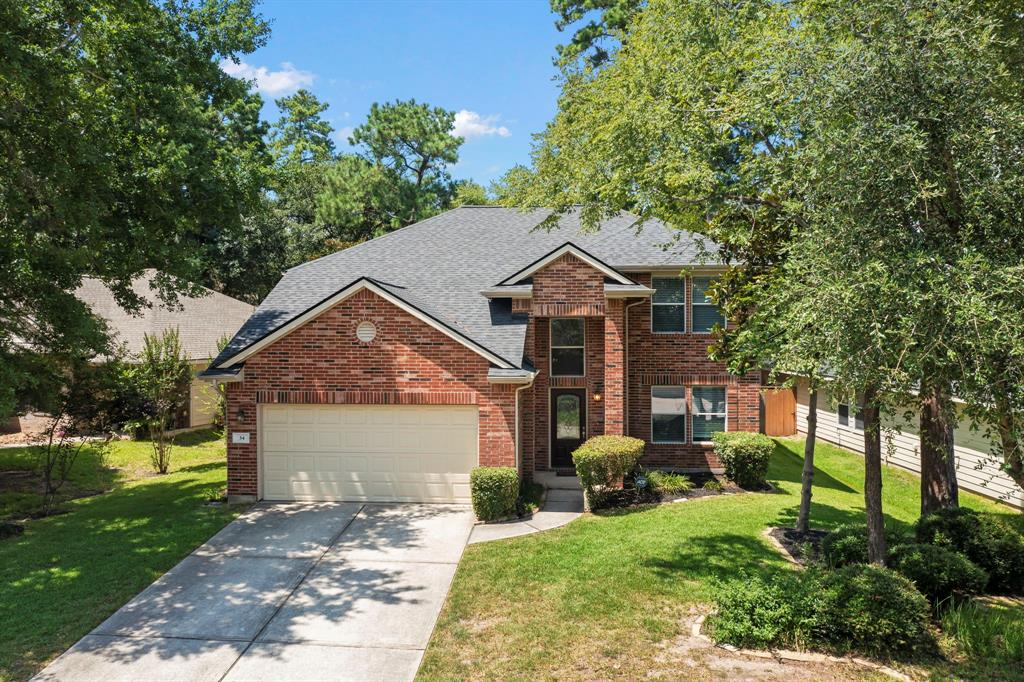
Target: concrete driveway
x,y
340,591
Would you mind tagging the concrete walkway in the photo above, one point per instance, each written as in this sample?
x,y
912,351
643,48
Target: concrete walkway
x,y
337,591
561,505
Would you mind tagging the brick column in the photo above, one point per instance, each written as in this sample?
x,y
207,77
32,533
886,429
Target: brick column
x,y
614,366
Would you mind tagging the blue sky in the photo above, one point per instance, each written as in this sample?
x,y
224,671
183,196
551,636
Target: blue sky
x,y
490,60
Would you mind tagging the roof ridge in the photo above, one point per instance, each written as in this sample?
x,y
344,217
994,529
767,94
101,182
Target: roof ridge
x,y
375,239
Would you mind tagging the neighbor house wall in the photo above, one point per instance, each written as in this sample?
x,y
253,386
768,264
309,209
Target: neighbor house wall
x,y
976,469
408,362
202,400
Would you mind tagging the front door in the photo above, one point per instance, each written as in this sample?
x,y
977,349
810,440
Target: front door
x,y
568,424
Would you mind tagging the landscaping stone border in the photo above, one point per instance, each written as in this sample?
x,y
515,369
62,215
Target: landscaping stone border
x,y
779,547
797,656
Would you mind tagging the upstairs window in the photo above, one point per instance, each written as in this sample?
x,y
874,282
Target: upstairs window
x,y
668,305
708,412
567,347
851,416
705,313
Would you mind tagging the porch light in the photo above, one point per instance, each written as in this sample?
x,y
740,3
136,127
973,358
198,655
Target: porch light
x,y
597,397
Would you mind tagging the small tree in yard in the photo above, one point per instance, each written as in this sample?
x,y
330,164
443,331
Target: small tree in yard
x,y
94,404
162,376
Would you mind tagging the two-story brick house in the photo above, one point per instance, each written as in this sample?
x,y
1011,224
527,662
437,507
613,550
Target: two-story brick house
x,y
387,371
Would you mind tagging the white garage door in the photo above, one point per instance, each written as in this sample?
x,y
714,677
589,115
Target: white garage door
x,y
368,453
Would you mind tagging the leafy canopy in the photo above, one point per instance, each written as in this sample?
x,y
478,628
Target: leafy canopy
x,y
125,147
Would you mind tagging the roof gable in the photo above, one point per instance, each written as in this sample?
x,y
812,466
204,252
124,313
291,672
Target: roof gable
x,y
362,284
566,249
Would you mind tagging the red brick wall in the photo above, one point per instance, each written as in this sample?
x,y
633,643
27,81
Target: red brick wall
x,y
681,360
408,362
654,359
568,287
593,382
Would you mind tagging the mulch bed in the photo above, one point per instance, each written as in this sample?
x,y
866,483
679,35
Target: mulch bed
x,y
630,497
804,548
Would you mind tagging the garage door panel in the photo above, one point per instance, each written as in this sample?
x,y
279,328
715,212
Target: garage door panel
x,y
368,453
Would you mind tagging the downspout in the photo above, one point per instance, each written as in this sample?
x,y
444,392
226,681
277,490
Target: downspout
x,y
625,372
521,388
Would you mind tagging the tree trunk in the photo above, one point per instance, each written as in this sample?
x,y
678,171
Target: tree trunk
x,y
803,521
939,488
873,479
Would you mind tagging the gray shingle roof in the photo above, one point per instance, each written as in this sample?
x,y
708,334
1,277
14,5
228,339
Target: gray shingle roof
x,y
201,322
441,265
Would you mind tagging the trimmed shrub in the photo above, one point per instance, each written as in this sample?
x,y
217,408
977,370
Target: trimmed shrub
x,y
938,572
872,610
745,457
757,613
669,483
988,542
848,544
603,461
494,491
858,608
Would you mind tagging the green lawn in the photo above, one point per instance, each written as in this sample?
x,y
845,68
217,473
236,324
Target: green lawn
x,y
69,572
605,596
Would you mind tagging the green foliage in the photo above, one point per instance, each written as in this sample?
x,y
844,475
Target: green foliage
x,y
301,135
988,542
669,483
848,544
938,572
844,155
603,461
590,40
494,491
745,456
713,484
872,610
126,147
985,632
469,193
398,175
759,613
859,608
162,376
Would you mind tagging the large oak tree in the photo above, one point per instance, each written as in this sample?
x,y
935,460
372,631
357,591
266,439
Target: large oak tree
x,y
123,146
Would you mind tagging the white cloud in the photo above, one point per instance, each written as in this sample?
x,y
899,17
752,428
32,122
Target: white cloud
x,y
274,83
342,134
469,124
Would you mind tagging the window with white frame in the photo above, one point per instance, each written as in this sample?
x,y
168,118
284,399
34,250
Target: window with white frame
x,y
851,416
567,347
708,412
705,313
668,414
668,305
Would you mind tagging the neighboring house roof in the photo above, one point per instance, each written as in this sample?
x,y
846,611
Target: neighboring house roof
x,y
200,322
444,266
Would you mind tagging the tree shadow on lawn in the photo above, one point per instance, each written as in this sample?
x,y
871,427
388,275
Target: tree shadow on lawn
x,y
717,557
827,517
788,466
88,562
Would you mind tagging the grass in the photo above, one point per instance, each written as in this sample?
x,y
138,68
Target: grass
x,y
68,572
607,595
985,630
